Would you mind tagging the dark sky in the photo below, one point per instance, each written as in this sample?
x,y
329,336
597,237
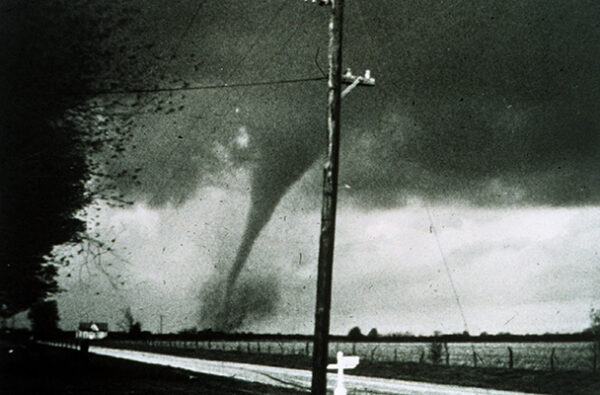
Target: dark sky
x,y
477,106
467,94
481,104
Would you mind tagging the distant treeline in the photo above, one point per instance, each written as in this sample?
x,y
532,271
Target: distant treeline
x,y
208,334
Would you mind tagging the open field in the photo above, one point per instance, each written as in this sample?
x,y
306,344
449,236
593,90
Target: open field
x,y
295,378
564,356
516,379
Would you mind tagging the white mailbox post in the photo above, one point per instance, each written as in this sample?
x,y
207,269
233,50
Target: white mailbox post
x,y
343,362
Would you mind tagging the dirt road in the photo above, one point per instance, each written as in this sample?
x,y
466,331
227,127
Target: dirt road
x,y
293,378
36,369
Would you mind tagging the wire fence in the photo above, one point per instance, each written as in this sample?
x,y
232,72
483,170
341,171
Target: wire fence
x,y
564,356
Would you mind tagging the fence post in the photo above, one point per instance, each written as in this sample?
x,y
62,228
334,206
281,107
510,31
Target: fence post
x,y
307,348
552,359
474,358
353,348
258,346
510,358
395,354
373,354
595,347
447,353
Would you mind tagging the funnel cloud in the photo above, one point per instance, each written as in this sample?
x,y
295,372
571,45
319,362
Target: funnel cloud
x,y
489,104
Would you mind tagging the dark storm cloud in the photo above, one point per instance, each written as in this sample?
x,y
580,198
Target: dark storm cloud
x,y
481,93
470,97
490,103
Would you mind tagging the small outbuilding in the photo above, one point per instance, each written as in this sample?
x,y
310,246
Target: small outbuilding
x,y
92,330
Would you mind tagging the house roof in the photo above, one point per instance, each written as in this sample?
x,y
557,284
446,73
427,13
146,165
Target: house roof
x,y
93,326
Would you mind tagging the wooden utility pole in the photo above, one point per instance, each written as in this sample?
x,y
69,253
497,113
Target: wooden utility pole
x,y
330,182
330,187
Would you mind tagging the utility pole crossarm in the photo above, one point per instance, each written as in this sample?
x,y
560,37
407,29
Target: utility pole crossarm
x,y
336,79
321,2
328,210
354,80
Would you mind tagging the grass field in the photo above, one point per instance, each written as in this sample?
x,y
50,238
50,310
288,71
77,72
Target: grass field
x,y
566,356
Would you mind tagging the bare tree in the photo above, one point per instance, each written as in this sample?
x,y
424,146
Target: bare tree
x,y
129,324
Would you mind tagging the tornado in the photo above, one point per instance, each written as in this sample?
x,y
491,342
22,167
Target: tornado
x,y
284,158
258,216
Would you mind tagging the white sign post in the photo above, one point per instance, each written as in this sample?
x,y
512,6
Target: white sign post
x,y
342,363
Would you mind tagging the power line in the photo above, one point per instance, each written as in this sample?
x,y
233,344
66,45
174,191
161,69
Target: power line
x,y
372,45
185,32
186,87
177,46
256,40
437,240
236,67
460,307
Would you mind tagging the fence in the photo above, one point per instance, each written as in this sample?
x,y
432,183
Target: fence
x,y
581,356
